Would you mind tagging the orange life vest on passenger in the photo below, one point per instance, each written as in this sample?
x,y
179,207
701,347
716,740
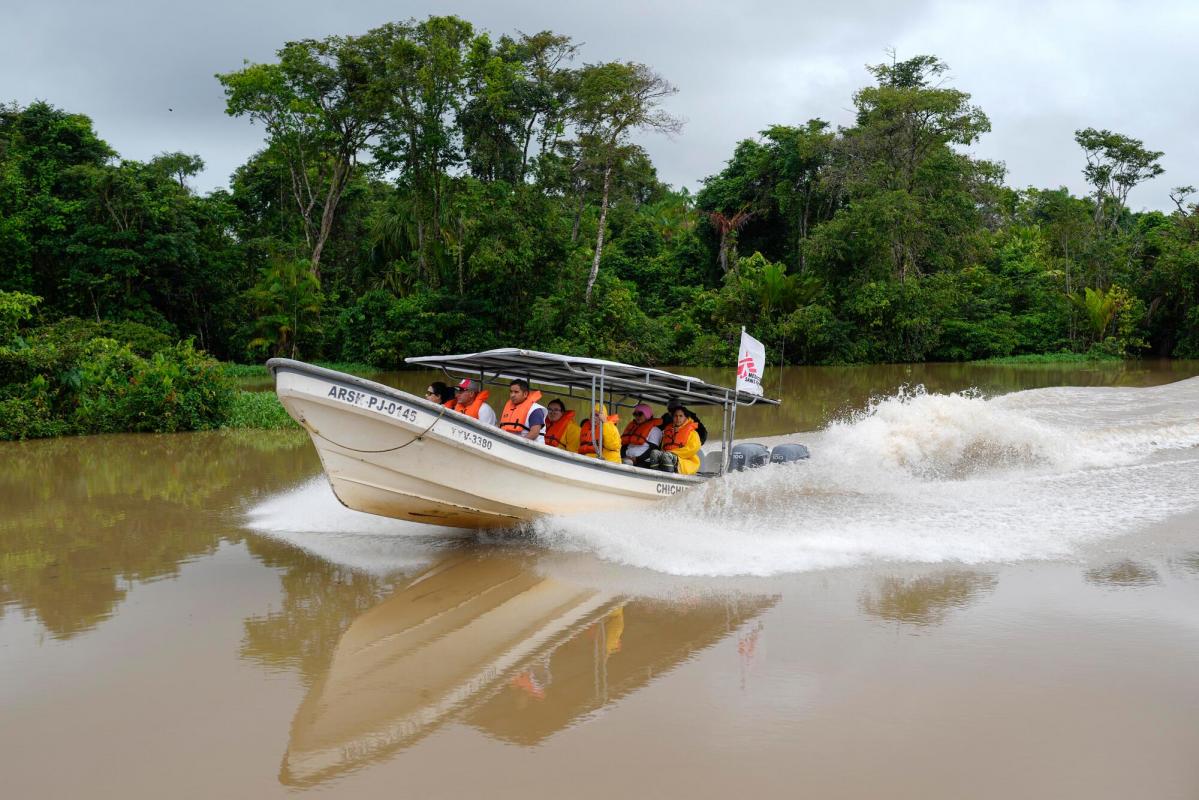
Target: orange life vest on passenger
x,y
635,434
471,410
673,438
513,418
586,446
554,430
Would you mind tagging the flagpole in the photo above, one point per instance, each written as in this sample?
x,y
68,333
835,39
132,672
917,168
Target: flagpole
x,y
733,424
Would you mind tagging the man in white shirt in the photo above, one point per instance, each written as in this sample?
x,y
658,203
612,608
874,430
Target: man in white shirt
x,y
522,414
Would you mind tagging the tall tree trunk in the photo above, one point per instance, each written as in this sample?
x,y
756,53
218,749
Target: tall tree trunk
x,y
420,247
435,220
599,236
341,174
295,327
574,231
524,158
803,230
461,235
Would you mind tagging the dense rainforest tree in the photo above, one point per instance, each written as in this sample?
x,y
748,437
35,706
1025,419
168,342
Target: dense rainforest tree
x,y
520,91
612,102
107,239
1115,165
320,105
42,149
426,186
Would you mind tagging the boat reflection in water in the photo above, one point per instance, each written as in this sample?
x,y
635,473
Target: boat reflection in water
x,y
490,642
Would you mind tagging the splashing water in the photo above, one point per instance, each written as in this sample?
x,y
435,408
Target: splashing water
x,y
311,518
928,478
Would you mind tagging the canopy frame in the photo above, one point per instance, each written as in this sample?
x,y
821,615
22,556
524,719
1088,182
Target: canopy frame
x,y
570,372
591,376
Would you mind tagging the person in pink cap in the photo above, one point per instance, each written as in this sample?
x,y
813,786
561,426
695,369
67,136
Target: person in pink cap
x,y
472,402
641,435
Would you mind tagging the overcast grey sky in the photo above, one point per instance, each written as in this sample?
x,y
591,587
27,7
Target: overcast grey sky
x,y
1040,70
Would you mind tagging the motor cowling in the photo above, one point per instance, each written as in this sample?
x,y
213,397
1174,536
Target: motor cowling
x,y
749,455
787,453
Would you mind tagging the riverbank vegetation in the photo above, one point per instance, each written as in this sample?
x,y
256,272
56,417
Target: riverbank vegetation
x,y
258,410
429,187
74,377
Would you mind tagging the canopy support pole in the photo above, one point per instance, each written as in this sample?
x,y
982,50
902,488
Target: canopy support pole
x,y
601,399
728,453
724,434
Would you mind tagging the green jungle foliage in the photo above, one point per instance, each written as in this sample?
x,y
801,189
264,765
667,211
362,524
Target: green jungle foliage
x,y
427,187
71,377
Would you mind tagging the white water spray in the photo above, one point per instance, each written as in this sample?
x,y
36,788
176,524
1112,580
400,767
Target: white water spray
x,y
928,478
311,518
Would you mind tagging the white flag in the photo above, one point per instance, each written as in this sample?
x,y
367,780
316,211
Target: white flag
x,y
751,362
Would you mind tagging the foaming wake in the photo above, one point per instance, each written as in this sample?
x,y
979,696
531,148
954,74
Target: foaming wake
x,y
311,518
928,478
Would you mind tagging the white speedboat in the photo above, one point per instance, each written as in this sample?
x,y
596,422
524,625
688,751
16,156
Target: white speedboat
x,y
391,453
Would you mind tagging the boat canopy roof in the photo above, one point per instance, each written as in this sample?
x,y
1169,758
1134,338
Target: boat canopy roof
x,y
552,369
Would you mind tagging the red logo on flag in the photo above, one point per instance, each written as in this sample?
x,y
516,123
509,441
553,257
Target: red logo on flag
x,y
746,366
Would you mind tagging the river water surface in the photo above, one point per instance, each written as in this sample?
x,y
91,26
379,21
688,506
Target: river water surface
x,y
983,593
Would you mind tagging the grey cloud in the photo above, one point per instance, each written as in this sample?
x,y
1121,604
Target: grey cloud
x,y
1039,70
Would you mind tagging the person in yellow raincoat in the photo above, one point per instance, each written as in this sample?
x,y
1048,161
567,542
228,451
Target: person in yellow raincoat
x,y
609,438
680,445
561,430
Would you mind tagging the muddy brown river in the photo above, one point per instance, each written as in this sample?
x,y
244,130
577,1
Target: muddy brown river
x,y
988,594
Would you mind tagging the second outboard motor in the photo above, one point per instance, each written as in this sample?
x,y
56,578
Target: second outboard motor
x,y
786,453
749,454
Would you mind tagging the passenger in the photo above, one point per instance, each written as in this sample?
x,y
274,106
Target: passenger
x,y
438,392
667,418
609,435
472,401
561,430
680,446
641,435
522,414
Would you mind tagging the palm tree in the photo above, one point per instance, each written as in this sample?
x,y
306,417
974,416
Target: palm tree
x,y
783,293
1098,308
726,227
287,302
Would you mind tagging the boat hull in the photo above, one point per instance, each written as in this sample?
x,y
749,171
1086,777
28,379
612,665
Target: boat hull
x,y
390,453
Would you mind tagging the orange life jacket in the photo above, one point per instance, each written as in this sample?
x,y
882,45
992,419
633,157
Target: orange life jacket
x,y
673,438
513,418
586,446
635,434
471,410
554,430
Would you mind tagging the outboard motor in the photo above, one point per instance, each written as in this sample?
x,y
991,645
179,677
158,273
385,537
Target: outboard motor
x,y
749,454
786,453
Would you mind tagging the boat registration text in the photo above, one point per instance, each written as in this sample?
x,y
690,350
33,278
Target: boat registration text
x,y
470,437
373,403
